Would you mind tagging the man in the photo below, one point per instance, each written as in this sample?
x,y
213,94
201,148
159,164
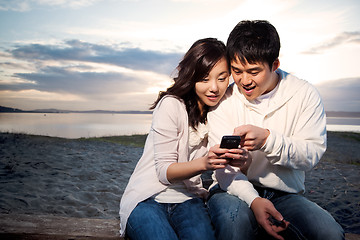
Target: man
x,y
282,122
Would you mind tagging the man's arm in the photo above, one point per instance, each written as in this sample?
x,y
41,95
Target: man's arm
x,y
300,149
231,179
222,121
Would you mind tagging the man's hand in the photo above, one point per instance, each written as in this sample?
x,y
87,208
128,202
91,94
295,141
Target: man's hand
x,y
241,158
252,137
268,217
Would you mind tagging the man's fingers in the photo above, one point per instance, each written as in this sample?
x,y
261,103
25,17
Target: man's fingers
x,y
276,235
269,229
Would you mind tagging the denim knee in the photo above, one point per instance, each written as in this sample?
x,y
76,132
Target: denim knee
x,y
231,217
191,220
308,219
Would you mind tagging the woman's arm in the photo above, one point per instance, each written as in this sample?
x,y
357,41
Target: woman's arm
x,y
185,170
169,126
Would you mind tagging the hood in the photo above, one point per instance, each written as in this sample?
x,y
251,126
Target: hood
x,y
289,85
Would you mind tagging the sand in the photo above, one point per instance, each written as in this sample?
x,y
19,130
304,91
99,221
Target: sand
x,y
85,179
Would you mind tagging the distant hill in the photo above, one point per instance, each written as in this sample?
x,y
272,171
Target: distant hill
x,y
6,109
343,114
52,110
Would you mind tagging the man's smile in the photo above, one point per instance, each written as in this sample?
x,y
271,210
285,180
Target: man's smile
x,y
248,88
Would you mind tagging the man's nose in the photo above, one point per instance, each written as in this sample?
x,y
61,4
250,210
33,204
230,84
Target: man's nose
x,y
246,79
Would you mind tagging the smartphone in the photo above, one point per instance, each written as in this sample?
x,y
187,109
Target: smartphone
x,y
230,142
276,222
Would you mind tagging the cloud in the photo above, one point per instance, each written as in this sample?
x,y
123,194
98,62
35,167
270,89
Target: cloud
x,y
86,88
93,73
27,5
75,50
58,79
87,84
341,94
12,65
15,5
343,38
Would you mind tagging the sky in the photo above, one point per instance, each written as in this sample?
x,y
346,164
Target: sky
x,y
118,54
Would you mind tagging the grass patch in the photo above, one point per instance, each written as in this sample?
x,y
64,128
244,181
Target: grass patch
x,y
136,140
349,135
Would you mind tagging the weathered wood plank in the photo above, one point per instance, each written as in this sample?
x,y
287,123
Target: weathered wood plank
x,y
21,226
47,227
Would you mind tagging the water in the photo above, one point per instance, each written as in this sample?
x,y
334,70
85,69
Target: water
x,y
339,124
76,125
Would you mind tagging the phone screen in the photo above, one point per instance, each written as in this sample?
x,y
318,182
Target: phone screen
x,y
230,142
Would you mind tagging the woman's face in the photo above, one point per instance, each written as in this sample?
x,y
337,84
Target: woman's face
x,y
212,88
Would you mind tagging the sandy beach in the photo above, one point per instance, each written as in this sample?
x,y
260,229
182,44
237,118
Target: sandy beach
x,y
86,178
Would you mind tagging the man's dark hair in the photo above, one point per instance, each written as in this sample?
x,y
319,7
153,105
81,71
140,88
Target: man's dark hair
x,y
253,42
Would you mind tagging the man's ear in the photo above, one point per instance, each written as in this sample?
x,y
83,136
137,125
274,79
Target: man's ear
x,y
275,65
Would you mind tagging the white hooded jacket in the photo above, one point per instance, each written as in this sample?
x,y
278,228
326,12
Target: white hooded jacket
x,y
297,124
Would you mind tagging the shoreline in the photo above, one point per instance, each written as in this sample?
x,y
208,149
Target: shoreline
x,y
85,178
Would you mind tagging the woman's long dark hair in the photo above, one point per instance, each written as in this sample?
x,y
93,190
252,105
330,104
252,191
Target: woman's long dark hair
x,y
195,66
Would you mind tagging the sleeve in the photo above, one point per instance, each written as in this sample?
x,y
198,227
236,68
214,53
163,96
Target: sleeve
x,y
230,179
220,120
236,183
306,145
166,126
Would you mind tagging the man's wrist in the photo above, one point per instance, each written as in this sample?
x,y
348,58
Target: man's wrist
x,y
253,202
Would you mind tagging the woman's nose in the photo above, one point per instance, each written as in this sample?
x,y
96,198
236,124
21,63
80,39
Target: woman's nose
x,y
214,86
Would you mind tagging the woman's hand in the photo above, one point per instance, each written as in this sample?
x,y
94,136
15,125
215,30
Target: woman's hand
x,y
216,158
185,170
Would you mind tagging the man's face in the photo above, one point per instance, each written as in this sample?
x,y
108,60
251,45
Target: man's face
x,y
254,80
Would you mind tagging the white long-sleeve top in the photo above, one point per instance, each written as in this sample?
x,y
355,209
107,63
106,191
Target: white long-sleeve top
x,y
167,142
297,124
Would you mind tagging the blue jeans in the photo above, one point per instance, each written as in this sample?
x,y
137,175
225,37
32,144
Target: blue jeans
x,y
153,220
233,219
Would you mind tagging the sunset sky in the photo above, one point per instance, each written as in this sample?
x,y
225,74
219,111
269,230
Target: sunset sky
x,y
117,54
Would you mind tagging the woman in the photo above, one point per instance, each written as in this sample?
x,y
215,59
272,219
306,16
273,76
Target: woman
x,y
164,196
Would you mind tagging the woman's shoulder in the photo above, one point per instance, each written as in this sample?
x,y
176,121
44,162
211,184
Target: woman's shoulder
x,y
170,111
170,101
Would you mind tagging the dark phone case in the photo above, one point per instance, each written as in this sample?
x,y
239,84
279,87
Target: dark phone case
x,y
230,142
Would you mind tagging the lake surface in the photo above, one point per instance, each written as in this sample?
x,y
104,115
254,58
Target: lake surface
x,y
339,124
76,125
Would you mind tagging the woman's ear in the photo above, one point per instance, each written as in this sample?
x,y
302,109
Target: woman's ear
x,y
275,65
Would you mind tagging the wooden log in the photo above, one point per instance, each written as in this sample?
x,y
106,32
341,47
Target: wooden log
x,y
22,226
47,227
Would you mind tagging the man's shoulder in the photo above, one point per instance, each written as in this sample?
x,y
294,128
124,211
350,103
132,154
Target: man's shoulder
x,y
229,102
292,84
229,96
230,93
